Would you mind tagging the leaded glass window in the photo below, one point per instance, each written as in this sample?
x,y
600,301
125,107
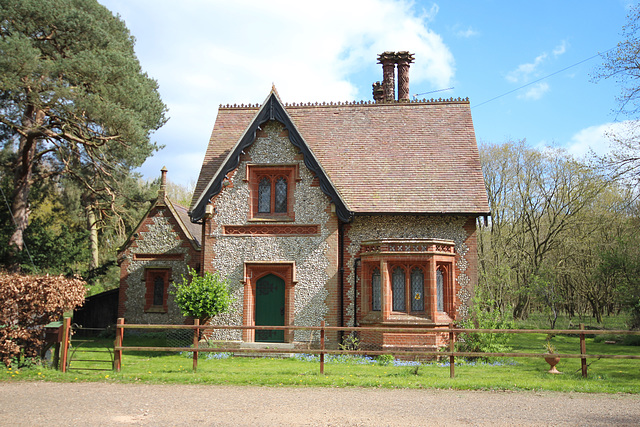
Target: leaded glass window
x,y
397,288
440,290
158,290
375,290
417,290
264,196
281,195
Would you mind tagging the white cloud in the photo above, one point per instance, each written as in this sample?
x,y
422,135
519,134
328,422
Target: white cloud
x,y
536,91
560,49
523,73
209,52
469,32
594,139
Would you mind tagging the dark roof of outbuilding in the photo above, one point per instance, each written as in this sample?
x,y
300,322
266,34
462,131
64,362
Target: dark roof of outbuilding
x,y
402,157
194,230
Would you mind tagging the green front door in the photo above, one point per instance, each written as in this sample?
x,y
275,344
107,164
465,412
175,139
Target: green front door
x,y
270,307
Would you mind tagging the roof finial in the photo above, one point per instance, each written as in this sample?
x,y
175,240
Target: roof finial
x,y
274,90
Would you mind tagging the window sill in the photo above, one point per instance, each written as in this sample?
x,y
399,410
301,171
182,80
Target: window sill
x,y
271,219
443,317
407,319
155,309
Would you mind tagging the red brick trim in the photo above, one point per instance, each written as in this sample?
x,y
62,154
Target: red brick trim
x,y
271,229
428,263
150,274
254,271
154,257
257,172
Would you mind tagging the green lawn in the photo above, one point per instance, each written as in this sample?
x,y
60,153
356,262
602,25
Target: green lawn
x,y
605,375
540,321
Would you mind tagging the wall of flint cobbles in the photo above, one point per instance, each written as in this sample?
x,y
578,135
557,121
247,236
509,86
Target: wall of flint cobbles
x,y
310,253
157,235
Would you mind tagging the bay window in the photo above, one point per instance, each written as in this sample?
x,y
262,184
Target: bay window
x,y
411,278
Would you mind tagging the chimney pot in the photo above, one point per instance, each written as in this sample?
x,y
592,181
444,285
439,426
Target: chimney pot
x,y
404,59
162,192
378,92
388,61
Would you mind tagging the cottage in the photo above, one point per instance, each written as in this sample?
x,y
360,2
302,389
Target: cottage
x,y
357,213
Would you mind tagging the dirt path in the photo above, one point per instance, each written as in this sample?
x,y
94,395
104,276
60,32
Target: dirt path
x,y
57,404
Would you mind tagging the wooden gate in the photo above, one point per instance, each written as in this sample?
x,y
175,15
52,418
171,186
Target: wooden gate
x,y
90,349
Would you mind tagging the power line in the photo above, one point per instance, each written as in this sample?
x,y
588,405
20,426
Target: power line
x,y
431,91
542,78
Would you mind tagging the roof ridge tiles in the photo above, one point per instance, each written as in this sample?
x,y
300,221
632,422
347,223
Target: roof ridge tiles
x,y
369,103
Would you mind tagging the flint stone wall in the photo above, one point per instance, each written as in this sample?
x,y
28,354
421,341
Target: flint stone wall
x,y
158,238
310,253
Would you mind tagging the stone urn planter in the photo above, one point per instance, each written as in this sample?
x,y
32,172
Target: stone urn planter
x,y
551,357
553,360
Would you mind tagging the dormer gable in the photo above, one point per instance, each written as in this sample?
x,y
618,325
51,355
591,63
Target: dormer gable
x,y
271,109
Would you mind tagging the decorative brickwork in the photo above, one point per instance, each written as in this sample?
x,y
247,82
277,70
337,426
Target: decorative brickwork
x,y
454,228
271,230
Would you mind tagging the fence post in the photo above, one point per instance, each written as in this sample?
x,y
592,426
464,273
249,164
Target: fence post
x,y
66,332
583,350
196,335
322,348
452,360
117,353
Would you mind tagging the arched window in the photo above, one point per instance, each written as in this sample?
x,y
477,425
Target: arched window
x,y
158,290
375,290
264,195
272,191
440,289
398,289
417,290
281,195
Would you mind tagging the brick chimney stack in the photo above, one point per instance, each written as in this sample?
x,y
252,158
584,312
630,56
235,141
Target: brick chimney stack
x,y
404,59
389,60
378,92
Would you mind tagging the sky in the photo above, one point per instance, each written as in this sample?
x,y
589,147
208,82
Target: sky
x,y
514,60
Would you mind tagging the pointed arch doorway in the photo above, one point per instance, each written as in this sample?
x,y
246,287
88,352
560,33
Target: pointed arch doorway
x,y
268,300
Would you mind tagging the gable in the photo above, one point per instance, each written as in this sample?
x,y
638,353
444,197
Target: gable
x,y
188,231
272,109
394,158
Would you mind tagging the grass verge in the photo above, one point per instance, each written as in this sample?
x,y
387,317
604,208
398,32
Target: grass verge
x,y
605,375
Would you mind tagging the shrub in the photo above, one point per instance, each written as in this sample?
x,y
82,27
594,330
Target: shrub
x,y
484,315
385,359
27,304
202,297
350,342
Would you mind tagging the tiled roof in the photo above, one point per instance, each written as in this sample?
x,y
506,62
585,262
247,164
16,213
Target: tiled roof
x,y
416,157
195,230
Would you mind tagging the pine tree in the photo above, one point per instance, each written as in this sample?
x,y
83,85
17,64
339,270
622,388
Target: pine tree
x,y
73,99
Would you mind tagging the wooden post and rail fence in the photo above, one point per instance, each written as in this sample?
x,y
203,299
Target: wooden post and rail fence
x,y
452,331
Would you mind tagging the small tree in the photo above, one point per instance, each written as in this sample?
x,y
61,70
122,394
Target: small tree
x,y
202,297
484,315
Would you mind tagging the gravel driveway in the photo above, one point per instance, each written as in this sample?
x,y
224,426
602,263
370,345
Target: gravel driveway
x,y
83,404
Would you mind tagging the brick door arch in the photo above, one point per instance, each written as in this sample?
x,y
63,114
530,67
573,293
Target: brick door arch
x,y
254,272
